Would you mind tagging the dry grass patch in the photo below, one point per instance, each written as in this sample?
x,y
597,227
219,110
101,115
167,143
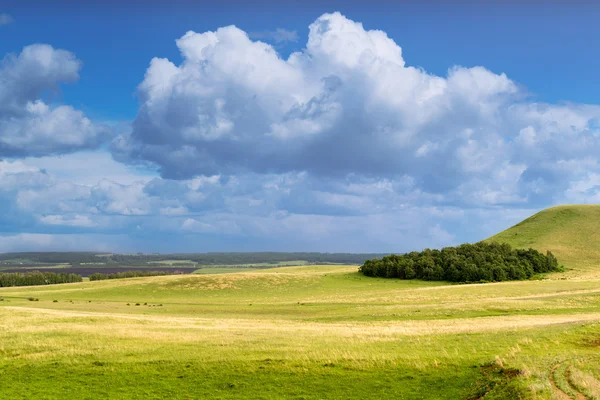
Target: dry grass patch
x,y
22,319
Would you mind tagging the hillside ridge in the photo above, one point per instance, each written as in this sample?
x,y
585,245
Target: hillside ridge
x,y
570,231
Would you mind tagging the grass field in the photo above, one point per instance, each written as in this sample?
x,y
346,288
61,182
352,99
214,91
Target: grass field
x,y
299,332
313,332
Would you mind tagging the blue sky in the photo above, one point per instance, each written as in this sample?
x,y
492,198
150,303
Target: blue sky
x,y
304,126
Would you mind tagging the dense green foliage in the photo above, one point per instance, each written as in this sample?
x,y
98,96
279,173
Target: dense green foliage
x,y
129,274
76,258
35,278
491,262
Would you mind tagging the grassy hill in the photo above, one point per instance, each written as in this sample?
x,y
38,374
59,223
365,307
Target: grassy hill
x,y
571,232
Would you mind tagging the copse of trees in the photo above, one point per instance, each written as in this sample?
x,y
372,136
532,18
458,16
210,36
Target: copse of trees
x,y
35,278
129,274
479,262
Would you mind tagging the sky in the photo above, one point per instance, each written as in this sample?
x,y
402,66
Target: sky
x,y
291,126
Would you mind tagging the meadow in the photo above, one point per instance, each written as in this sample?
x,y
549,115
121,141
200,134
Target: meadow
x,y
307,332
300,332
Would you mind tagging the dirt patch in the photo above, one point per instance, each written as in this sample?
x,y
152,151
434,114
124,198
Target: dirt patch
x,y
578,394
569,381
558,391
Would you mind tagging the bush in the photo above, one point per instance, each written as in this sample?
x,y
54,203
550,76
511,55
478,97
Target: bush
x,y
480,262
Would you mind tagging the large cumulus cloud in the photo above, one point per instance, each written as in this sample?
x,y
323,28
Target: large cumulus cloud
x,y
30,126
348,103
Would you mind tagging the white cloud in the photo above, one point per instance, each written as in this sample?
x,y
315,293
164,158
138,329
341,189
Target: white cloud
x,y
112,198
62,242
179,210
222,227
75,220
16,174
29,126
350,105
89,167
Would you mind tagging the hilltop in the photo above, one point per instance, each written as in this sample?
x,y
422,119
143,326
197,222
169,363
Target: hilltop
x,y
571,232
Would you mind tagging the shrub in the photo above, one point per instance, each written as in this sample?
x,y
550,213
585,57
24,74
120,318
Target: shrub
x,y
480,262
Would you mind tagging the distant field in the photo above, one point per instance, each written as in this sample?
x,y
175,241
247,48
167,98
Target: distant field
x,y
185,268
312,332
212,258
222,270
259,265
173,262
4,267
87,271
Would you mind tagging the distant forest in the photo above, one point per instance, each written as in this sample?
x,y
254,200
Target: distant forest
x,y
480,262
35,278
77,258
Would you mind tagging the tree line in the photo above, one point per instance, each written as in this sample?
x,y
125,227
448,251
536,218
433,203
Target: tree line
x,y
35,278
129,274
479,262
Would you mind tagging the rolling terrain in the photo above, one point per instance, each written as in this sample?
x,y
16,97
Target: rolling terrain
x,y
313,332
571,232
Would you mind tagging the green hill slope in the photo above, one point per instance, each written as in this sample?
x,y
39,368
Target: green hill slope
x,y
571,232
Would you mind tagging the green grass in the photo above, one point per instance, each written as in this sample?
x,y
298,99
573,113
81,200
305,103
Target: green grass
x,y
571,232
309,332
